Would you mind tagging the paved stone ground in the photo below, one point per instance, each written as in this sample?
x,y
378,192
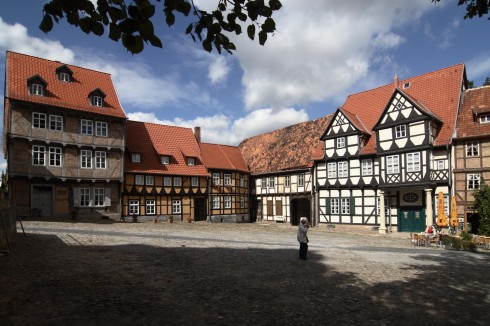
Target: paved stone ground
x,y
109,273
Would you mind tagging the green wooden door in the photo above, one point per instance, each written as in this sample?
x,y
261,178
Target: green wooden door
x,y
411,219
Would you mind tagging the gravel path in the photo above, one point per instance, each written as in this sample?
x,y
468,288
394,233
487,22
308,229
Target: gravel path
x,y
242,274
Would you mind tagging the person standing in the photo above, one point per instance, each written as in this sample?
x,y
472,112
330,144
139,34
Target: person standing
x,y
303,237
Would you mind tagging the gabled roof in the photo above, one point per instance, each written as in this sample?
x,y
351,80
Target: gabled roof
x,y
354,119
437,91
153,140
72,96
475,101
223,157
284,149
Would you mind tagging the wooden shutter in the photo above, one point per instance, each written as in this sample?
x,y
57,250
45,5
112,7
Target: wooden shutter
x,y
278,207
327,206
76,197
352,206
269,208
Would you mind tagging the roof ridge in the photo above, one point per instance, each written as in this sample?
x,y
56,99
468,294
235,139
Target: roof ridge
x,y
477,88
160,124
227,158
57,61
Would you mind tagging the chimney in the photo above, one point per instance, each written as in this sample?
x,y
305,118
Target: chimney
x,y
395,82
197,134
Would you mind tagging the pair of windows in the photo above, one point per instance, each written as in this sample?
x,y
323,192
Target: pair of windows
x,y
339,169
39,156
92,197
88,161
177,181
41,121
149,180
226,179
485,118
87,128
340,206
226,200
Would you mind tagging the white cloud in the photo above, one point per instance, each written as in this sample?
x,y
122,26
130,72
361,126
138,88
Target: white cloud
x,y
223,130
219,70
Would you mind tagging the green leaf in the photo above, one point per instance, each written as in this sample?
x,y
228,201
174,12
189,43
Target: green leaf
x,y
269,25
262,37
148,11
238,29
189,28
183,7
46,24
73,18
207,45
222,6
146,29
133,11
155,41
97,28
170,18
85,23
242,16
114,32
275,4
251,31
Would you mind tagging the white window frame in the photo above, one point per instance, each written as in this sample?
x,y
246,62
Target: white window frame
x,y
227,200
242,181
343,169
85,159
165,160
401,131
37,89
271,182
38,120
473,181
366,167
191,161
56,122
177,181
301,180
84,197
334,206
86,127
472,148
332,170
97,100
345,206
387,206
101,129
38,155
100,160
216,179
413,162
340,142
242,202
393,164
440,165
216,202
64,77
99,197
139,180
149,180
287,181
227,179
55,155
263,183
485,118
150,207
195,182
134,207
167,181
136,158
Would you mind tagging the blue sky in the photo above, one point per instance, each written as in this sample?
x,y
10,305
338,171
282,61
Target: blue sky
x,y
322,51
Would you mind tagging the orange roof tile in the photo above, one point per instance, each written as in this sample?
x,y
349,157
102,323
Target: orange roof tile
x,y
284,149
68,95
223,157
152,140
437,91
475,100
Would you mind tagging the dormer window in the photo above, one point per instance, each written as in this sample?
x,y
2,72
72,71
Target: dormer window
x,y
485,118
191,161
97,97
406,85
165,160
64,73
136,158
37,86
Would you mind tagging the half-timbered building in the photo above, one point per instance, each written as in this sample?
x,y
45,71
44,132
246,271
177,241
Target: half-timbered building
x,y
387,153
165,177
471,153
63,138
228,196
281,166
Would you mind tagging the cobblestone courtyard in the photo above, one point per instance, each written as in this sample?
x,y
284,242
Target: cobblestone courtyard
x,y
66,273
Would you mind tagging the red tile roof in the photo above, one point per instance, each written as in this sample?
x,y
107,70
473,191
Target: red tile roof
x,y
72,95
284,149
223,157
152,140
437,91
475,100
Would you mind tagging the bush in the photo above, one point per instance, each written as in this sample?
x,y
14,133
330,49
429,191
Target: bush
x,y
457,243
